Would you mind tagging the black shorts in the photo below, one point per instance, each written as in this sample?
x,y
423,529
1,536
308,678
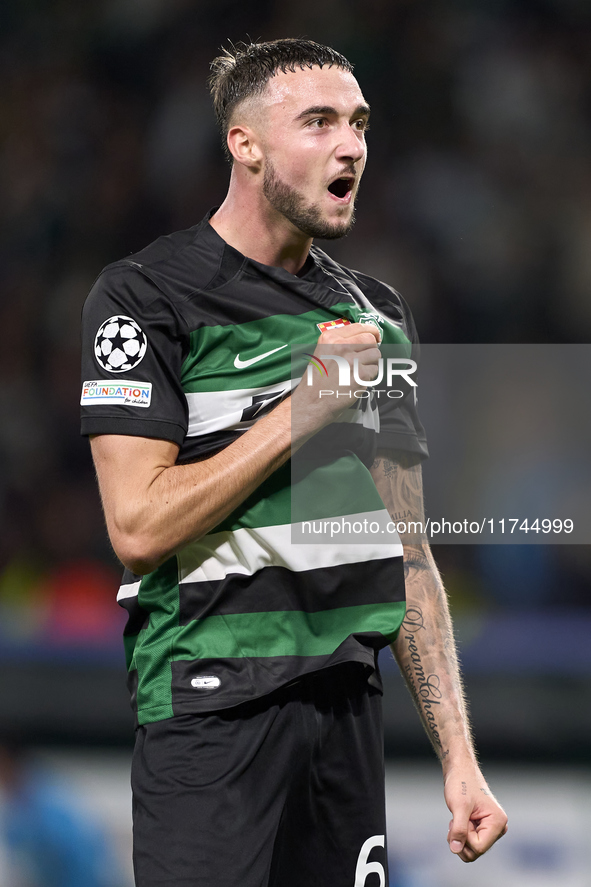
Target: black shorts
x,y
286,791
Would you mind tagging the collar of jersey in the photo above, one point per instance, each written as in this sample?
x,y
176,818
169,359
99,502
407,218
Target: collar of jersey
x,y
315,277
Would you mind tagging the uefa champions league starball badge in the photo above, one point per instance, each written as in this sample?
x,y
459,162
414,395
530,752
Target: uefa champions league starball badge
x,y
120,344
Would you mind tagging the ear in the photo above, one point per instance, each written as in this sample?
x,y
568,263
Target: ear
x,y
244,146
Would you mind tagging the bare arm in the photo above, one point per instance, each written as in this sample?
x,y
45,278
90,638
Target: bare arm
x,y
426,653
154,507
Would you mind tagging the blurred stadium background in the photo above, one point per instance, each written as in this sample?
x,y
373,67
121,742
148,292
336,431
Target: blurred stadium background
x,y
476,205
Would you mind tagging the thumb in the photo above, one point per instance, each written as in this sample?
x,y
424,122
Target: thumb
x,y
458,831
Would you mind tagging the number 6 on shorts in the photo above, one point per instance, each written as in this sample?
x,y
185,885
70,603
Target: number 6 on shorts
x,y
365,868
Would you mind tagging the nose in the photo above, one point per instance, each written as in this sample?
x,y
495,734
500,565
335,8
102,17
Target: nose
x,y
351,144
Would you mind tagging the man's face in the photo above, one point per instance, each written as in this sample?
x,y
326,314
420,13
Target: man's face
x,y
313,136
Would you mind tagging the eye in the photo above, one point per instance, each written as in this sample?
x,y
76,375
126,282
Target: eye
x,y
318,123
362,125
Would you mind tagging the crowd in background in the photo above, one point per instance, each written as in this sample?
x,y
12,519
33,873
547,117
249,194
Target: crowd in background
x,y
476,205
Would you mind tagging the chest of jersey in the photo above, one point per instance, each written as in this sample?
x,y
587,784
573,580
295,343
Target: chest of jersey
x,y
235,373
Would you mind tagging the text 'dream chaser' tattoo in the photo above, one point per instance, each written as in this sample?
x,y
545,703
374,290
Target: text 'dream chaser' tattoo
x,y
425,688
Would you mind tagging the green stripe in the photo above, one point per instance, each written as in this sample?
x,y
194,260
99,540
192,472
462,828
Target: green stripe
x,y
214,348
293,633
345,486
159,593
392,335
268,506
342,487
252,635
210,363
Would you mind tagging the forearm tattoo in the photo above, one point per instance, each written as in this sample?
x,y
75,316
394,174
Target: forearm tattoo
x,y
425,688
415,562
401,488
425,648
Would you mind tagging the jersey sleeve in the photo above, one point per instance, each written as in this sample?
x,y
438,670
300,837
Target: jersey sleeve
x,y
401,428
133,341
400,425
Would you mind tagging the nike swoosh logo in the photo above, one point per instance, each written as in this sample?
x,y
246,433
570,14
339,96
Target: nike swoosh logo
x,y
206,682
241,364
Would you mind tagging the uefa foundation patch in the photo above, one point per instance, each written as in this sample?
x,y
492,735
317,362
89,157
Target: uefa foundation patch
x,y
333,324
122,392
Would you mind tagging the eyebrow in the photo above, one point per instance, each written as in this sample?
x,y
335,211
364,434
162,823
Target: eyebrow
x,y
328,111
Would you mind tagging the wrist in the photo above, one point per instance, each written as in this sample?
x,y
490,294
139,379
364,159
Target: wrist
x,y
307,417
459,759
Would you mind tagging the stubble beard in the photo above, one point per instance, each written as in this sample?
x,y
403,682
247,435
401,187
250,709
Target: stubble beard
x,y
305,216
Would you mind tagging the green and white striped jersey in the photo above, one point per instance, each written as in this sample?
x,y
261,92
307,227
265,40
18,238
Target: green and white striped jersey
x,y
192,342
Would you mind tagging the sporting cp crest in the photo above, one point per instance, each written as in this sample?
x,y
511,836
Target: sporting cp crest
x,y
368,317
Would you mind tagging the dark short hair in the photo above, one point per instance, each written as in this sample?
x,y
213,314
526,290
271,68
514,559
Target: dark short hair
x,y
244,70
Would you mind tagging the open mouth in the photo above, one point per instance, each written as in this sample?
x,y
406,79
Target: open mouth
x,y
341,187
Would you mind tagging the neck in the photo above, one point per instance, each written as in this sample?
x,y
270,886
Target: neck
x,y
247,221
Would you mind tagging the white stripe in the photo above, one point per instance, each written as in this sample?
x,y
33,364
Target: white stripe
x,y
131,590
369,418
246,551
221,410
